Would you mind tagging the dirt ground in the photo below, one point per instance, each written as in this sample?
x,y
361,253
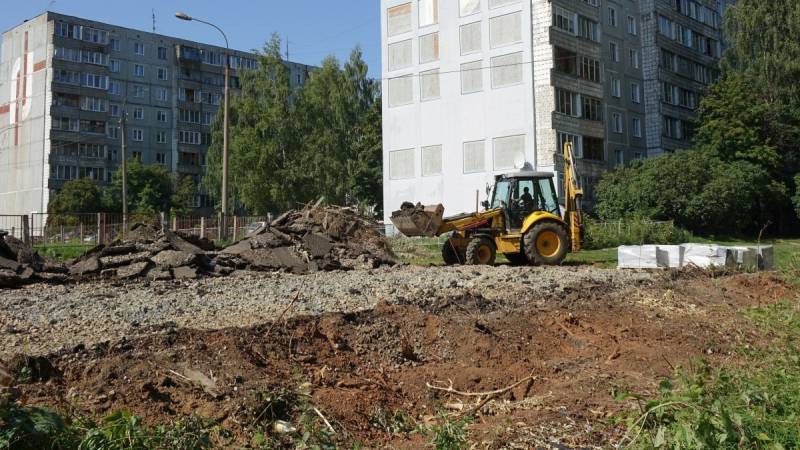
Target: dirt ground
x,y
580,345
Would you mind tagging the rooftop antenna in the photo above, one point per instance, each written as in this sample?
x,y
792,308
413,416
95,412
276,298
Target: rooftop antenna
x,y
154,20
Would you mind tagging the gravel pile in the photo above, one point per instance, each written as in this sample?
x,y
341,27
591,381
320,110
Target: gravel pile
x,y
44,318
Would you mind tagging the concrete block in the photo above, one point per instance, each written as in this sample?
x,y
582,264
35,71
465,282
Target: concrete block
x,y
669,256
705,255
637,257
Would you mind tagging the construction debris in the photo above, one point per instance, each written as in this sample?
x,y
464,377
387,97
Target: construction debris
x,y
696,255
309,240
20,265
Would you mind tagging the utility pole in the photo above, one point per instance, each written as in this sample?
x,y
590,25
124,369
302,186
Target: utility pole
x,y
124,173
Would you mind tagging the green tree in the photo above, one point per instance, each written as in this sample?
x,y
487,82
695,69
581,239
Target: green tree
x,y
796,198
76,196
182,200
149,188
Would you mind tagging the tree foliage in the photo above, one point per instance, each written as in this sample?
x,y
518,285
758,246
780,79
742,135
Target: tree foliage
x,y
76,196
293,144
149,188
739,176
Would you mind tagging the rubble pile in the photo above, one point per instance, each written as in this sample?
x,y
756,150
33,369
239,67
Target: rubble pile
x,y
19,264
147,252
309,240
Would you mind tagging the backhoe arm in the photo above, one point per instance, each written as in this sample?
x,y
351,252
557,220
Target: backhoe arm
x,y
573,194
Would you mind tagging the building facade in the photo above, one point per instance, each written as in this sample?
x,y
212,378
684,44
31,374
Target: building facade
x,y
65,83
475,88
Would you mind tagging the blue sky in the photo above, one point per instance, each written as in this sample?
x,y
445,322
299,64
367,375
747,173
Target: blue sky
x,y
315,28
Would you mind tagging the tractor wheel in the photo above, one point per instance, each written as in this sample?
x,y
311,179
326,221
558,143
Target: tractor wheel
x,y
481,252
450,253
546,244
516,259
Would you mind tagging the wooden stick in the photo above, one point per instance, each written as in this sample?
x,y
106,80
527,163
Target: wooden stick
x,y
450,389
324,420
296,296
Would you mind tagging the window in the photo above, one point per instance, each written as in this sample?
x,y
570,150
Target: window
x,y
614,48
94,35
113,133
69,30
637,155
136,155
137,134
474,156
470,38
66,76
634,57
161,95
506,70
398,19
114,44
162,53
505,30
401,164
499,3
616,122
429,48
208,117
632,25
67,54
471,77
619,157
138,113
467,7
566,102
138,48
589,29
94,81
114,88
189,116
574,139
161,158
138,91
563,19
161,116
401,91
590,69
429,85
592,109
114,110
612,17
636,94
594,3
616,88
96,58
431,160
138,70
163,73
161,137
400,55
66,124
189,137
636,125
94,104
565,61
668,60
673,128
670,93
66,100
113,65
507,151
593,149
428,12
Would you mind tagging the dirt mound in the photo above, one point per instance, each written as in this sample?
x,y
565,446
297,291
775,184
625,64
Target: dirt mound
x,y
19,264
308,240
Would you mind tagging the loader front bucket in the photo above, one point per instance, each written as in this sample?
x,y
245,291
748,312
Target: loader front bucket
x,y
417,220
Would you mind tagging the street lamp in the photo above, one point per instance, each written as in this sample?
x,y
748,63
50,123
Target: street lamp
x,y
223,227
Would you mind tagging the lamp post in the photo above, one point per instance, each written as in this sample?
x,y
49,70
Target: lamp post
x,y
223,226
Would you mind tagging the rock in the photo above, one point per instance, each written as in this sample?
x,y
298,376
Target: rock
x,y
318,246
199,242
169,259
159,274
26,274
54,267
9,278
143,233
184,273
275,258
118,250
238,248
153,247
6,379
51,277
31,369
109,262
181,244
85,267
134,270
270,239
8,264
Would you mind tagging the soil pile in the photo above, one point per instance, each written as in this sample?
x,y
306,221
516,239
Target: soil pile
x,y
19,264
309,240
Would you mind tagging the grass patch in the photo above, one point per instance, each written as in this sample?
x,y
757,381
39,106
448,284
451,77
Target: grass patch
x,y
601,235
753,406
63,252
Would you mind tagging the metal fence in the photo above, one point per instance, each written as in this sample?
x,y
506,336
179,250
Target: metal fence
x,y
103,228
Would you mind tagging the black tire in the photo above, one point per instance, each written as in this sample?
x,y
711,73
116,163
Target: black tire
x,y
516,259
481,252
450,254
546,244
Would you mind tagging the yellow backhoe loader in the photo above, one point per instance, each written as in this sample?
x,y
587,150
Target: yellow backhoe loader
x,y
524,220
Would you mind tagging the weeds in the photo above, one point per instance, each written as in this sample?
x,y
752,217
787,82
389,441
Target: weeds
x,y
398,422
286,419
755,406
448,434
599,235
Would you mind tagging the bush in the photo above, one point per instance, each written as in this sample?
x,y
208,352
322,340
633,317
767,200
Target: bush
x,y
599,235
796,198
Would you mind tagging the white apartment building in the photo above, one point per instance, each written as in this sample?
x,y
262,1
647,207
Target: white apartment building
x,y
476,88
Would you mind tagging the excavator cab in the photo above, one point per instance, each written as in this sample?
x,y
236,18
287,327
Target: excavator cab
x,y
522,193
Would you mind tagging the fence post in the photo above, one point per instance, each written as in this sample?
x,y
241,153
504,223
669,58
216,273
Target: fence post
x,y
26,230
99,237
202,227
235,226
163,217
219,226
80,228
174,223
61,233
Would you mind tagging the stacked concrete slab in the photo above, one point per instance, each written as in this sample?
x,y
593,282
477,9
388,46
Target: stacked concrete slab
x,y
695,255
